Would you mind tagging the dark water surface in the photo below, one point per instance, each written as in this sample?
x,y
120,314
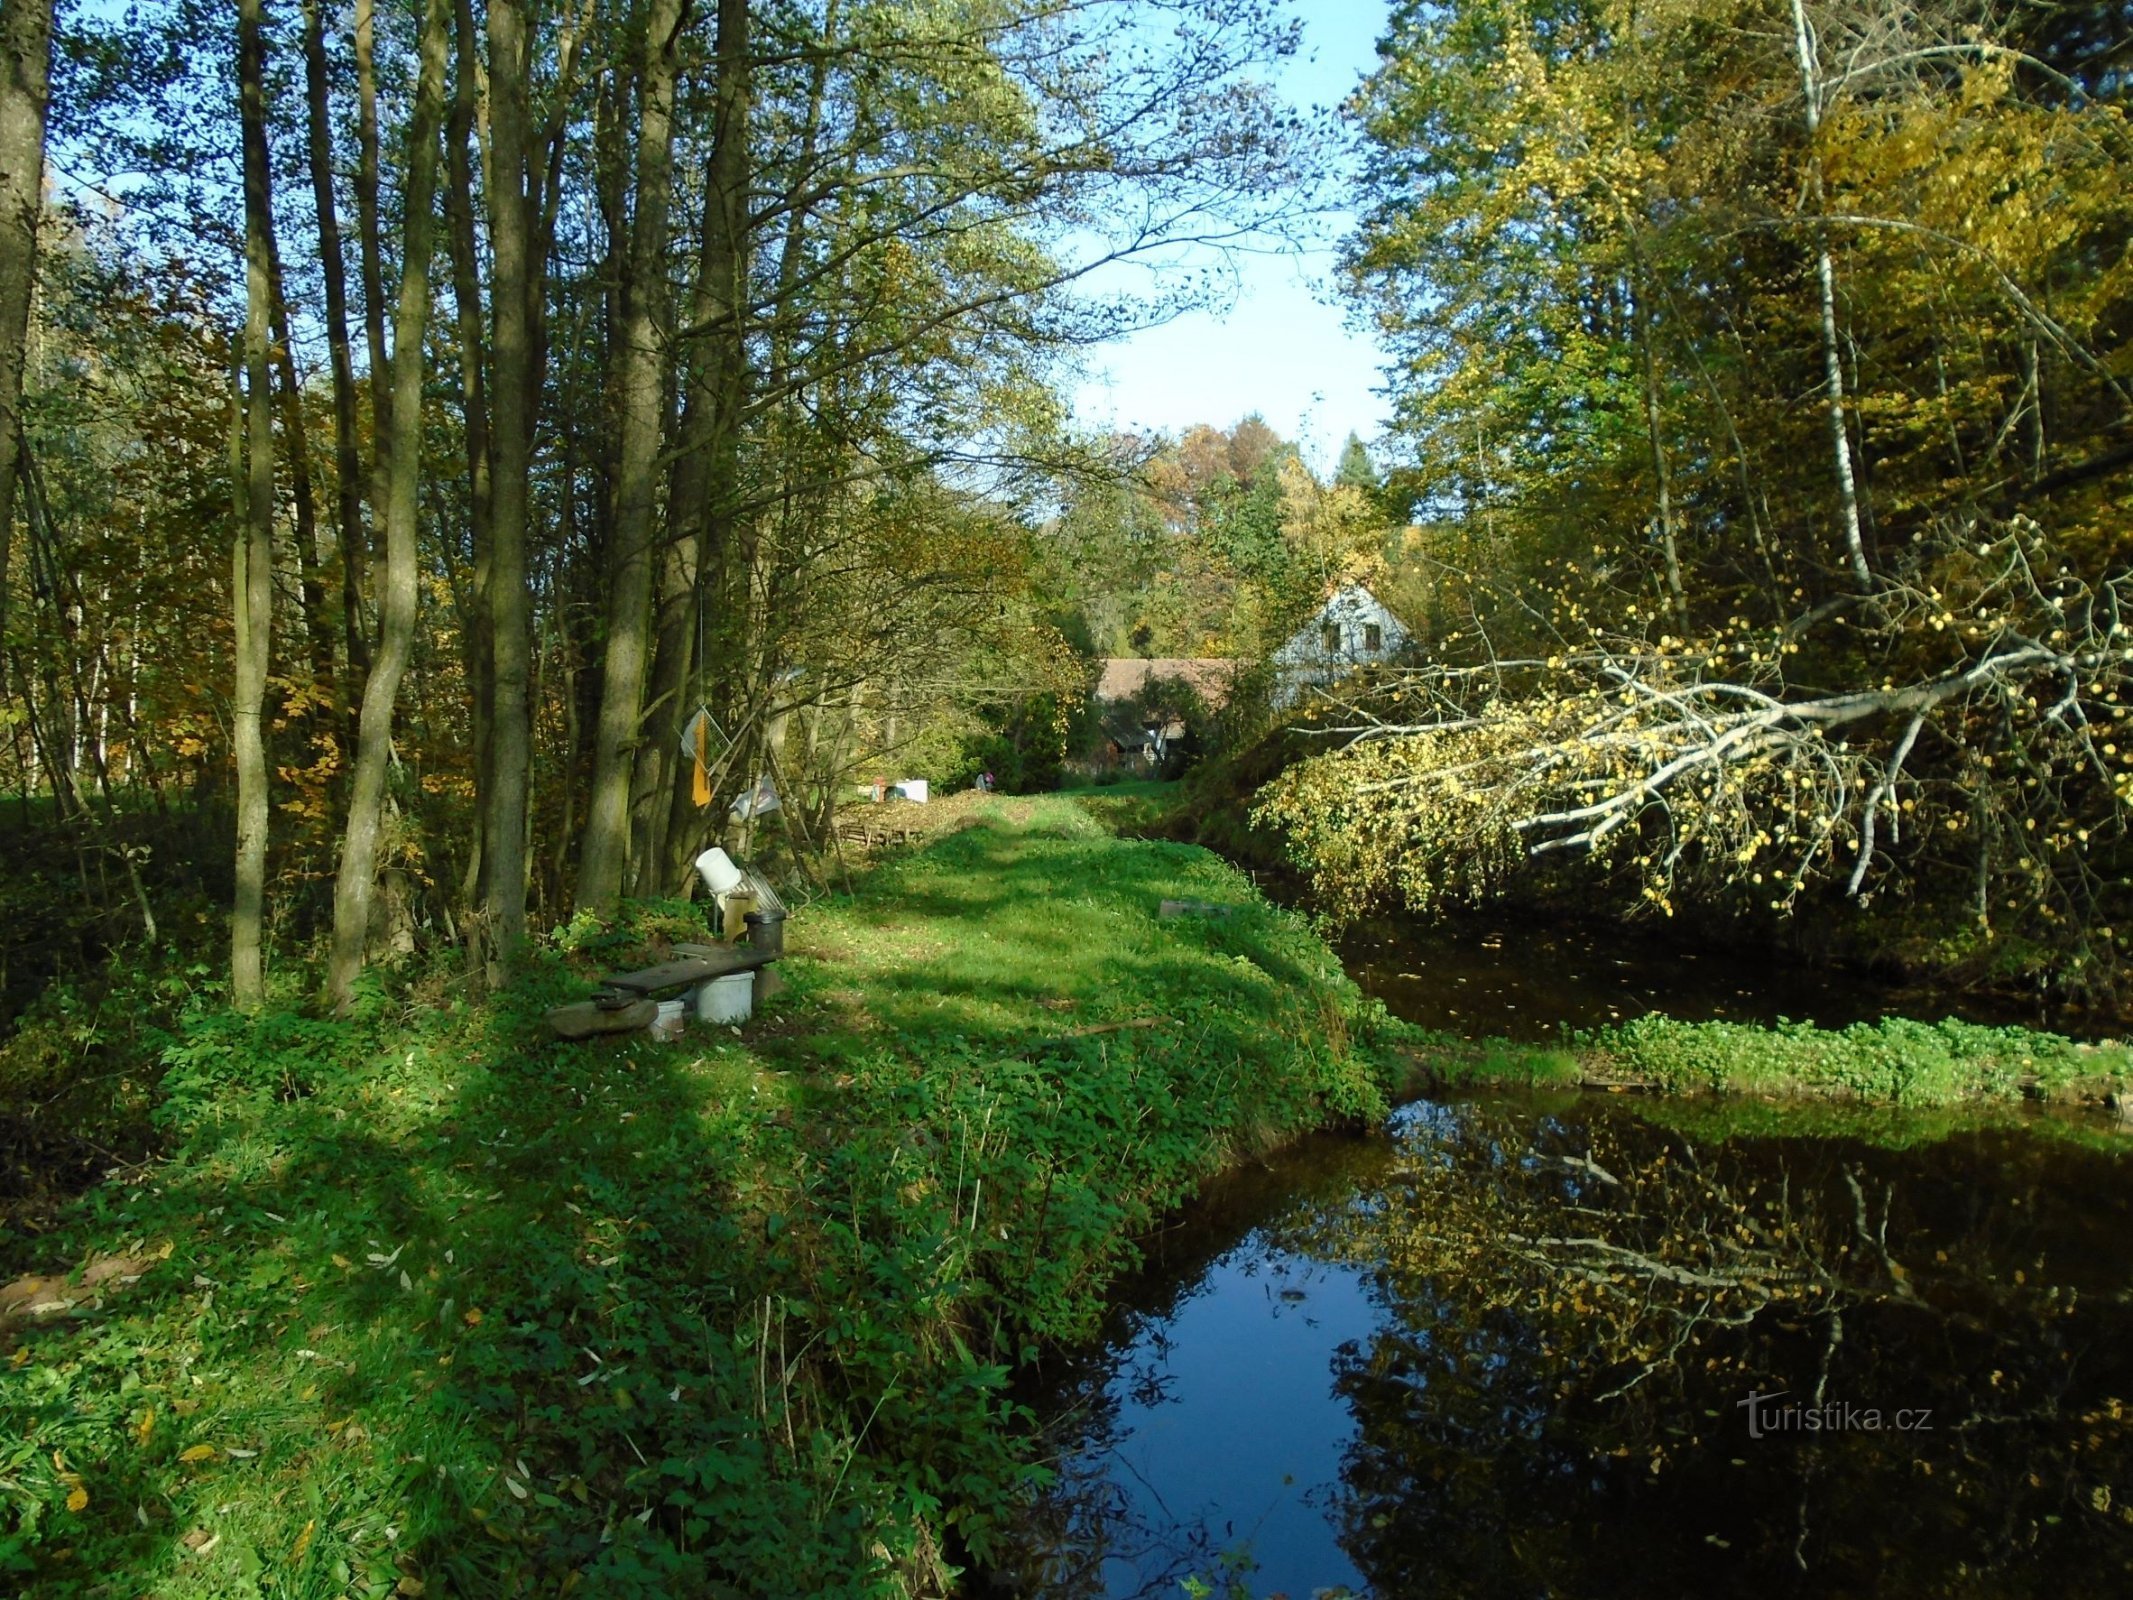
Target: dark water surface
x,y
1509,1347
1496,972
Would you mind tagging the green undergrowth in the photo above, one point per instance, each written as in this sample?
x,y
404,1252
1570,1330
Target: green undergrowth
x,y
1894,1062
426,1302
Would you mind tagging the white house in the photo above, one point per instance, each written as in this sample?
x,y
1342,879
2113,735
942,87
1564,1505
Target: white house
x,y
1352,630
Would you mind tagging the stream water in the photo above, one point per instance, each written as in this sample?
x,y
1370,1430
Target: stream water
x,y
1590,1345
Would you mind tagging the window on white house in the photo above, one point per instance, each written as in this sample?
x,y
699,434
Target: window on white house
x,y
1329,635
1373,637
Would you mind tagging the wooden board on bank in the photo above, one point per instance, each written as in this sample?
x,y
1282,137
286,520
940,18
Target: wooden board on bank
x,y
715,961
587,1021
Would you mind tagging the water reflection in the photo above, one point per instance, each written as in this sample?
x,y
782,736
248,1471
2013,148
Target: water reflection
x,y
1495,972
1504,1353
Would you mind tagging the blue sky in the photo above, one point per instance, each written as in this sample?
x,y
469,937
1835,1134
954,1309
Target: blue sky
x,y
1285,348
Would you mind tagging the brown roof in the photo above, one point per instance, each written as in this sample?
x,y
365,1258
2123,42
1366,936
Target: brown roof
x,y
1125,676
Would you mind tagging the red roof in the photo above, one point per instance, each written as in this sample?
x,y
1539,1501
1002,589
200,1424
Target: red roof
x,y
1125,676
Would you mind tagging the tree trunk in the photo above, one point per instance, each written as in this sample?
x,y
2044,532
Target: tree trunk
x,y
639,403
372,249
347,456
25,77
474,408
396,611
253,553
510,465
1662,475
706,484
310,585
1826,275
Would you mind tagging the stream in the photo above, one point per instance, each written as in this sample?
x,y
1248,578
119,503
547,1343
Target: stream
x,y
1551,1343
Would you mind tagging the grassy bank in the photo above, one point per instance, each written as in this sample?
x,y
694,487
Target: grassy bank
x,y
428,1303
1894,1062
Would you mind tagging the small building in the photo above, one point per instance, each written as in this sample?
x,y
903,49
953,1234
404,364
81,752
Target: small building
x,y
1131,741
1351,631
1142,727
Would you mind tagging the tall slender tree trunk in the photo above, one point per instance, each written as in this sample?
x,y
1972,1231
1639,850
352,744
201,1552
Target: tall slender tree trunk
x,y
639,397
706,485
347,454
396,610
25,79
474,411
252,575
372,249
311,584
512,279
1826,278
1655,435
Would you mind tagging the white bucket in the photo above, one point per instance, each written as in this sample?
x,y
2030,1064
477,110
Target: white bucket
x,y
717,870
727,999
666,1027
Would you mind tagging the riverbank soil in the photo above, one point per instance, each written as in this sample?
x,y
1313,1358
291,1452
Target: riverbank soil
x,y
429,1303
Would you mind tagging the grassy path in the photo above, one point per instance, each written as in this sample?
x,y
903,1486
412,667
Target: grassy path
x,y
433,1305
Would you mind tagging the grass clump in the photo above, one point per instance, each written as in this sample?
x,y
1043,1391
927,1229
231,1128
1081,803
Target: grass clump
x,y
427,1302
1894,1061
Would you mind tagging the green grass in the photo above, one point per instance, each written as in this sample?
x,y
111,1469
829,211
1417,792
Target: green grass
x,y
1131,804
431,1303
1895,1062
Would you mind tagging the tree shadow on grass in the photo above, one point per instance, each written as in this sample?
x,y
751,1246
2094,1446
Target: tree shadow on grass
x,y
477,1325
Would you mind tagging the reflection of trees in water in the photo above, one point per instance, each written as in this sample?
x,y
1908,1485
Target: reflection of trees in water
x,y
1579,1303
1091,1514
1088,1515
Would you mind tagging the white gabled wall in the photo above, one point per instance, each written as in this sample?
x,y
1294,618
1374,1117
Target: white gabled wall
x,y
1350,613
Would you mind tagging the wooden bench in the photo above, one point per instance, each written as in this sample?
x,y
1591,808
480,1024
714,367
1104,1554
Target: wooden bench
x,y
624,1002
701,962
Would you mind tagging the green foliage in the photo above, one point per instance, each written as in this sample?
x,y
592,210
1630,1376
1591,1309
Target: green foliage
x,y
1024,746
428,1295
1619,266
1895,1061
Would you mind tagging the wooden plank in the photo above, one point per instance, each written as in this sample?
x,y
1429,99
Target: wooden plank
x,y
586,1020
720,961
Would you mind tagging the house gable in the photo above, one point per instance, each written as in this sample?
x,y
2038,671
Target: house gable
x,y
1353,628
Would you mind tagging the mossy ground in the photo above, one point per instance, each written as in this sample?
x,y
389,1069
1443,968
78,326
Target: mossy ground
x,y
429,1303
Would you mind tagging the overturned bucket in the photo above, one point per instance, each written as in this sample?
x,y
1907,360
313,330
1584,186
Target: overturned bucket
x,y
726,1000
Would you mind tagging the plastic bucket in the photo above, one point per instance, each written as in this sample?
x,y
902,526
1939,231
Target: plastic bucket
x,y
717,870
667,1025
766,931
726,1000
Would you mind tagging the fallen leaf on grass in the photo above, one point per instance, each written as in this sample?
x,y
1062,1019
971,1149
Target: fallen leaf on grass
x,y
342,1261
198,1452
79,1499
303,1541
473,1317
146,1427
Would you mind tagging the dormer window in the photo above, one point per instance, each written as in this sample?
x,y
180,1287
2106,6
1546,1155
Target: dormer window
x,y
1373,638
1329,635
